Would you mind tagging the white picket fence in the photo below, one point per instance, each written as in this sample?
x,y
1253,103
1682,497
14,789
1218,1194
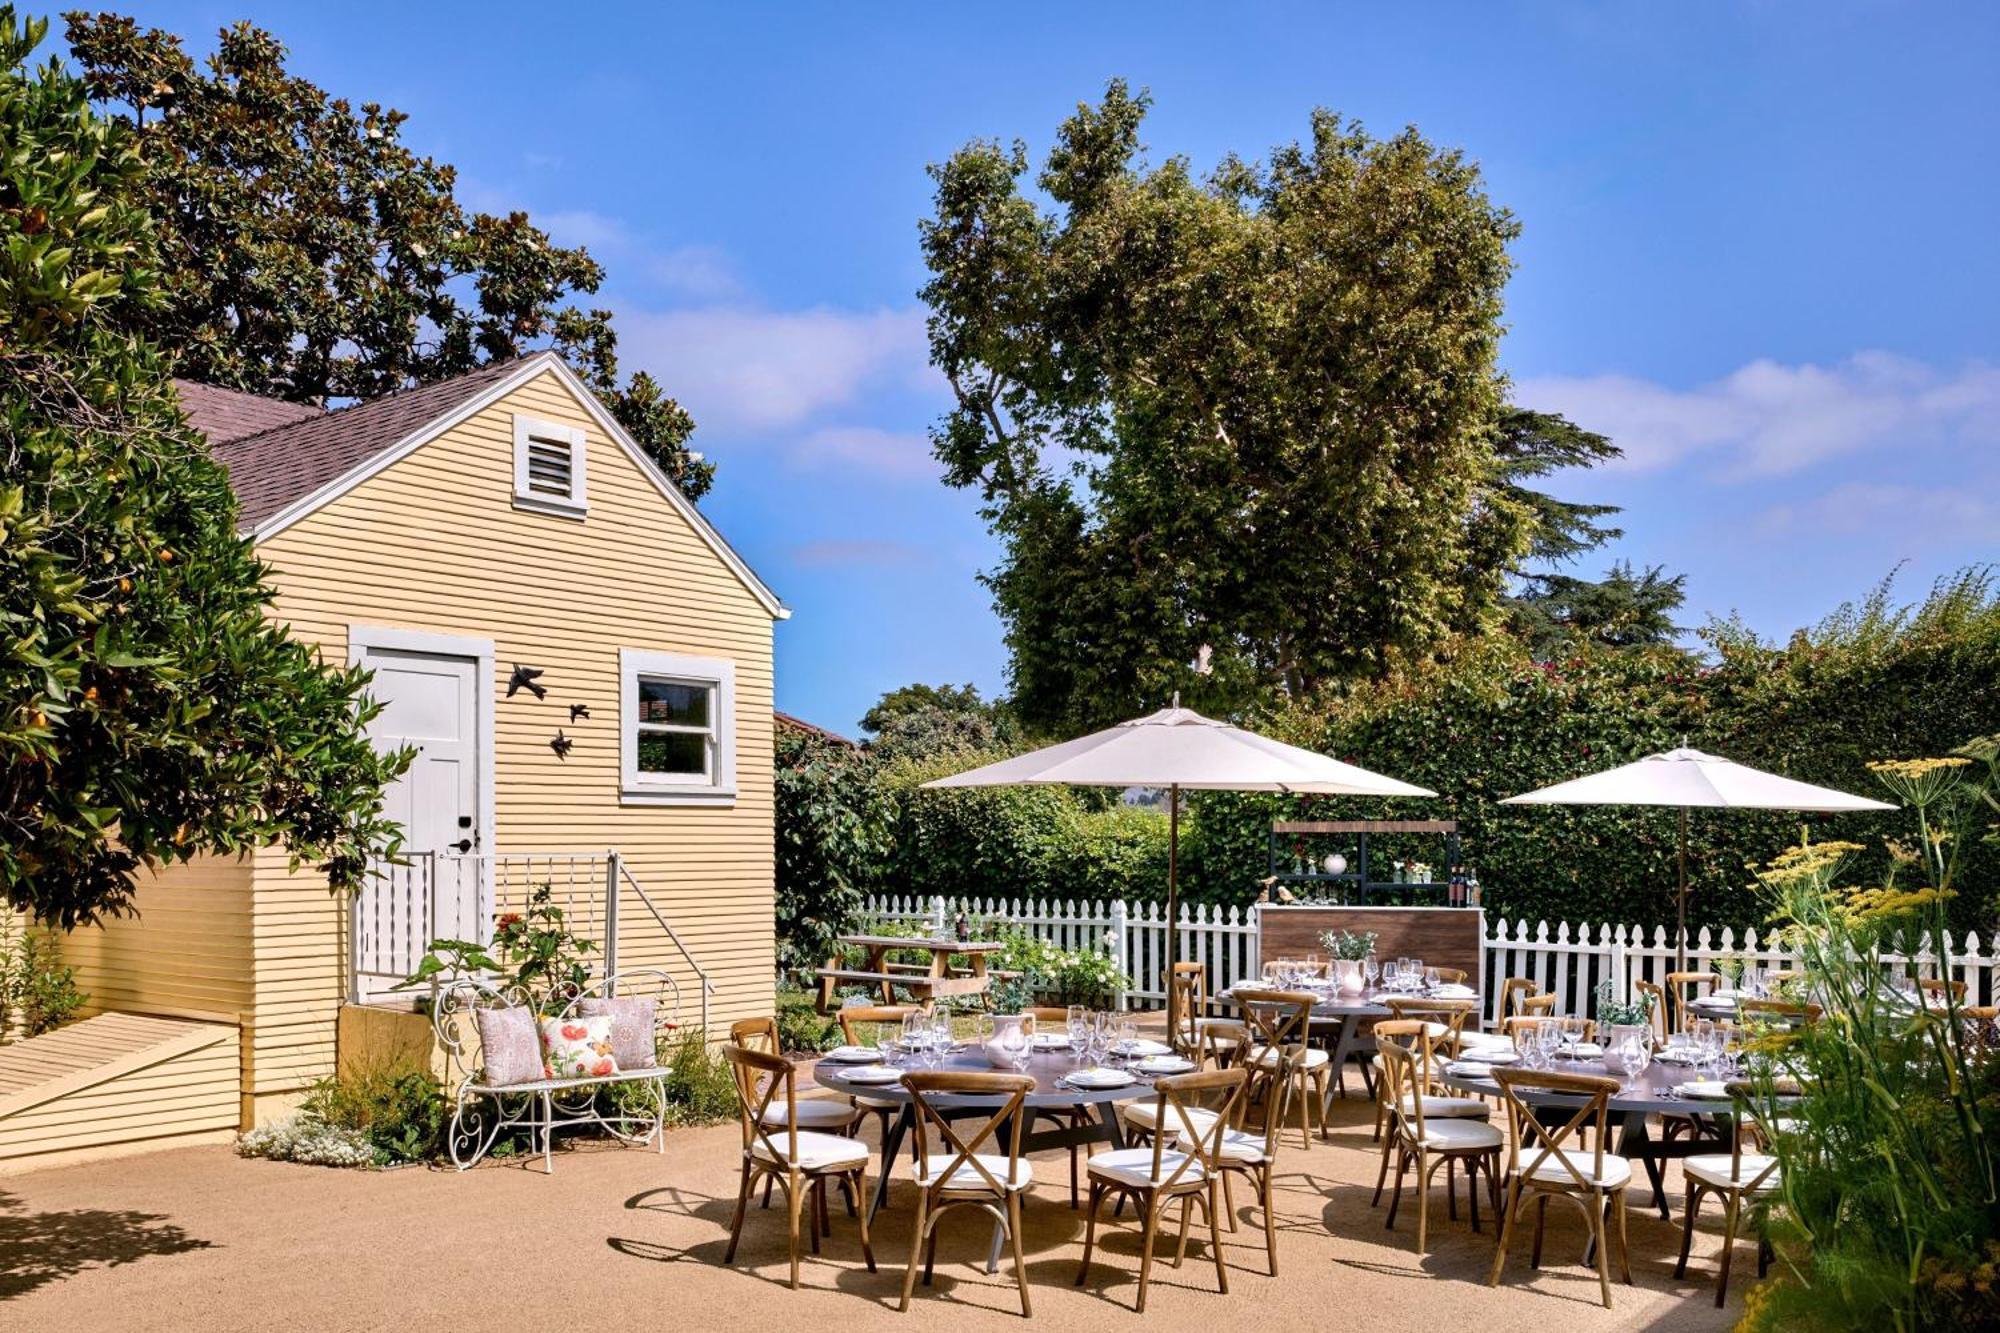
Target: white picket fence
x,y
1566,960
1134,934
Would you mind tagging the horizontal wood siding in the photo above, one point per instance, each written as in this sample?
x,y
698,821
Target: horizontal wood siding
x,y
186,952
434,543
114,1081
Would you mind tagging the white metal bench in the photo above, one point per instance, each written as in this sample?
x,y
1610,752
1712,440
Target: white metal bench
x,y
482,1110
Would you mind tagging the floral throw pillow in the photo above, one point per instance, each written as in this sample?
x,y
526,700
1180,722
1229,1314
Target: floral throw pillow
x,y
509,1053
632,1021
577,1047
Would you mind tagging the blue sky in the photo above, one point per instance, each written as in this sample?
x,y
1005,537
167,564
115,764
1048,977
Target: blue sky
x,y
1758,251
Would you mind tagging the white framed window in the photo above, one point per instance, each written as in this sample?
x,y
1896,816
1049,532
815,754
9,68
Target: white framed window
x,y
550,468
676,728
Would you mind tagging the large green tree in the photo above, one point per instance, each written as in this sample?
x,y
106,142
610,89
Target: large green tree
x,y
308,253
150,709
1256,412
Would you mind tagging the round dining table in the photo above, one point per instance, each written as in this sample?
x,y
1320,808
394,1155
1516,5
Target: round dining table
x,y
1337,1020
1650,1092
1050,1068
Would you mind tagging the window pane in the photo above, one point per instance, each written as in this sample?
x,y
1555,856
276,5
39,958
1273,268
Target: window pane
x,y
677,752
673,701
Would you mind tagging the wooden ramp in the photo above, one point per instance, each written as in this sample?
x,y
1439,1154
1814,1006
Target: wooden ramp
x,y
114,1083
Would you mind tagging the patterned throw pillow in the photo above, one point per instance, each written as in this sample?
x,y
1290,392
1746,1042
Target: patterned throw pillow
x,y
509,1052
577,1047
632,1020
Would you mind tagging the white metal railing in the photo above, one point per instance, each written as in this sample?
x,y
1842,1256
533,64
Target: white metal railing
x,y
426,896
1566,960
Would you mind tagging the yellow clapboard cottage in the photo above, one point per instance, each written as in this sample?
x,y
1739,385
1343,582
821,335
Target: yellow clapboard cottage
x,y
584,668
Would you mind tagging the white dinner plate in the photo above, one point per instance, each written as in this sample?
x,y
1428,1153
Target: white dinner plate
x,y
1469,1069
1164,1064
1497,1057
859,1055
872,1074
1452,991
1051,1041
1143,1046
1100,1078
1584,1050
1703,1087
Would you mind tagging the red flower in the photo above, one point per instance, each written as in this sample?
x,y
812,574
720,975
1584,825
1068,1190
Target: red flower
x,y
575,1031
603,1067
511,919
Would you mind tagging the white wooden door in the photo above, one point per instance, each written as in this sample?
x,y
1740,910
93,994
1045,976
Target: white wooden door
x,y
429,703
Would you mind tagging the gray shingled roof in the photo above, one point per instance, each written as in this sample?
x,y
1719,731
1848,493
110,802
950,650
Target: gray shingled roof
x,y
292,458
230,414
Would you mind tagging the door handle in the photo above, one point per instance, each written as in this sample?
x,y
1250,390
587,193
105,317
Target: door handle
x,y
462,846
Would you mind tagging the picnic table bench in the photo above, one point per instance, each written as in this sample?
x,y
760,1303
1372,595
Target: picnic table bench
x,y
924,981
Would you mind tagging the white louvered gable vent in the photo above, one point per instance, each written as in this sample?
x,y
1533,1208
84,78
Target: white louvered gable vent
x,y
549,468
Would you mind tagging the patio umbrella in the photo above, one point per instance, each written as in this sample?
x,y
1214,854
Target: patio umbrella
x,y
1177,748
1688,779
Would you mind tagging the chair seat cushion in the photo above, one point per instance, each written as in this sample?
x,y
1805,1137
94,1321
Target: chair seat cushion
x,y
1484,1041
815,1114
1449,1108
1134,1166
967,1180
878,1103
1146,1115
1303,1057
1453,1135
1617,1171
1713,1169
817,1151
1249,1149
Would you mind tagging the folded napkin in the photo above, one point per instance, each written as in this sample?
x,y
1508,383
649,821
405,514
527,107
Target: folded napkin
x,y
1451,990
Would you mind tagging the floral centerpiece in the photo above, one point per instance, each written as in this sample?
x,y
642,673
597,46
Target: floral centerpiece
x,y
1613,1012
1348,945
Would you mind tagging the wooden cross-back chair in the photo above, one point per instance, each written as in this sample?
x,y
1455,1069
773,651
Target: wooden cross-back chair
x,y
992,1182
1187,983
802,1162
1549,1159
1443,1022
1938,986
1516,986
1536,1006
1190,1170
1280,1058
1677,984
1656,1012
1427,1141
1454,976
1737,1178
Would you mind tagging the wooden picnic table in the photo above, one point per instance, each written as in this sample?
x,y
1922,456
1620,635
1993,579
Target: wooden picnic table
x,y
925,982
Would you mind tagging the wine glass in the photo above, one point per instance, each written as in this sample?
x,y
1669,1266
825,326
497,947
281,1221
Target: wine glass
x,y
1430,978
1548,1038
1128,1038
1371,971
940,1036
1014,1044
1524,1046
1079,1030
914,1032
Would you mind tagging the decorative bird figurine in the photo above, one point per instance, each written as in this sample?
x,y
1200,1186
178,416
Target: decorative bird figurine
x,y
579,711
561,744
526,676
1285,895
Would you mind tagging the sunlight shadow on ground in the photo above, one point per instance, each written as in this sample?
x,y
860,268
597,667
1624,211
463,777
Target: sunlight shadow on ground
x,y
40,1248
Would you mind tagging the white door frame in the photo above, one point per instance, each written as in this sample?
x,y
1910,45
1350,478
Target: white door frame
x,y
361,639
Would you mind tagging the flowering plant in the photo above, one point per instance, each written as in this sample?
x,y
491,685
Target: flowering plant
x,y
534,949
1349,945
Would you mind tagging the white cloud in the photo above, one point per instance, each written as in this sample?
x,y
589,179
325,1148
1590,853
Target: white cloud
x,y
837,553
900,453
741,368
1909,514
1767,419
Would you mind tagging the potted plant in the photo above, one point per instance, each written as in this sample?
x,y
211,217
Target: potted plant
x,y
1624,1019
1348,948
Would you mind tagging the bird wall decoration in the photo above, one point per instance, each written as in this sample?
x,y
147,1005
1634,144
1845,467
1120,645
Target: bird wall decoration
x,y
561,744
579,711
525,677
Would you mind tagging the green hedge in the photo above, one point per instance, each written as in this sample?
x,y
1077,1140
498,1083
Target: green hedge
x,y
1870,683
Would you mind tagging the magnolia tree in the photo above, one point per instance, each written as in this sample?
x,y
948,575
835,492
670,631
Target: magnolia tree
x,y
150,710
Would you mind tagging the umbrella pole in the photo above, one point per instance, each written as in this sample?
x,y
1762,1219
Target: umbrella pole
x,y
1173,909
1680,943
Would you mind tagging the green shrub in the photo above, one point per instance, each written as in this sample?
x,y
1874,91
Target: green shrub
x,y
38,992
400,1111
801,1027
1887,1214
832,837
700,1087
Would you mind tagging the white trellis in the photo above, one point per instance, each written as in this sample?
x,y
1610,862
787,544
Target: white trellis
x,y
1565,959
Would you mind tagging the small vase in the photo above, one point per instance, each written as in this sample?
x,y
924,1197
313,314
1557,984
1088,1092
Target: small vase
x,y
996,1052
1347,973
